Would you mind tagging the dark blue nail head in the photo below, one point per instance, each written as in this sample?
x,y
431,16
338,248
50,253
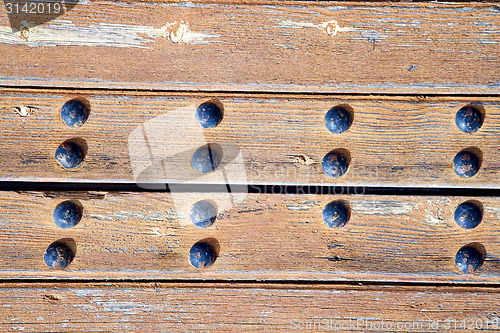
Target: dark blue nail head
x,y
67,214
468,119
201,255
205,159
209,115
469,259
337,119
58,256
74,113
468,215
334,164
335,214
69,155
465,164
203,213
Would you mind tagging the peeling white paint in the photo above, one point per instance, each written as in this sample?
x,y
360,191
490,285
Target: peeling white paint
x,y
304,205
101,217
125,214
297,25
162,231
436,219
128,308
440,201
25,111
494,210
432,220
88,292
330,27
383,207
286,47
66,33
152,216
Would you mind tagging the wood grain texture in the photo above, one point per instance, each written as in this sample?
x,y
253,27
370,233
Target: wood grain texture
x,y
258,236
265,139
345,47
166,307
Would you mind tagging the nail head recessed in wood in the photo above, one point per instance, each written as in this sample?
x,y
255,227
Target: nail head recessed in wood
x,y
58,255
335,214
203,213
334,164
209,115
468,119
202,255
69,155
206,159
469,258
337,119
466,164
74,113
468,215
67,214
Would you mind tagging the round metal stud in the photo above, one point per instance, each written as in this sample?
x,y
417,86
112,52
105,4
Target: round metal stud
x,y
58,256
209,115
67,214
203,214
201,255
337,119
69,155
468,119
335,214
334,164
205,159
466,164
469,259
468,215
74,113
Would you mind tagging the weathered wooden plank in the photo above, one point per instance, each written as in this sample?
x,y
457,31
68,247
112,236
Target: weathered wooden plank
x,y
270,139
258,236
346,47
164,307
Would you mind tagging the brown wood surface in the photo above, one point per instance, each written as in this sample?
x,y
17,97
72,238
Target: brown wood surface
x,y
166,307
346,47
258,236
269,139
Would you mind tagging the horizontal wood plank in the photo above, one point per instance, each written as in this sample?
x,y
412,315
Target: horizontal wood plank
x,y
264,139
258,236
346,47
164,307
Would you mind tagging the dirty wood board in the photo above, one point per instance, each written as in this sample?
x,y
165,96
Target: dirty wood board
x,y
345,47
271,139
258,236
218,307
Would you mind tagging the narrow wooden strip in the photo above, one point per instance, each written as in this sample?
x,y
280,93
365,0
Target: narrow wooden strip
x,y
258,236
345,47
270,139
236,307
